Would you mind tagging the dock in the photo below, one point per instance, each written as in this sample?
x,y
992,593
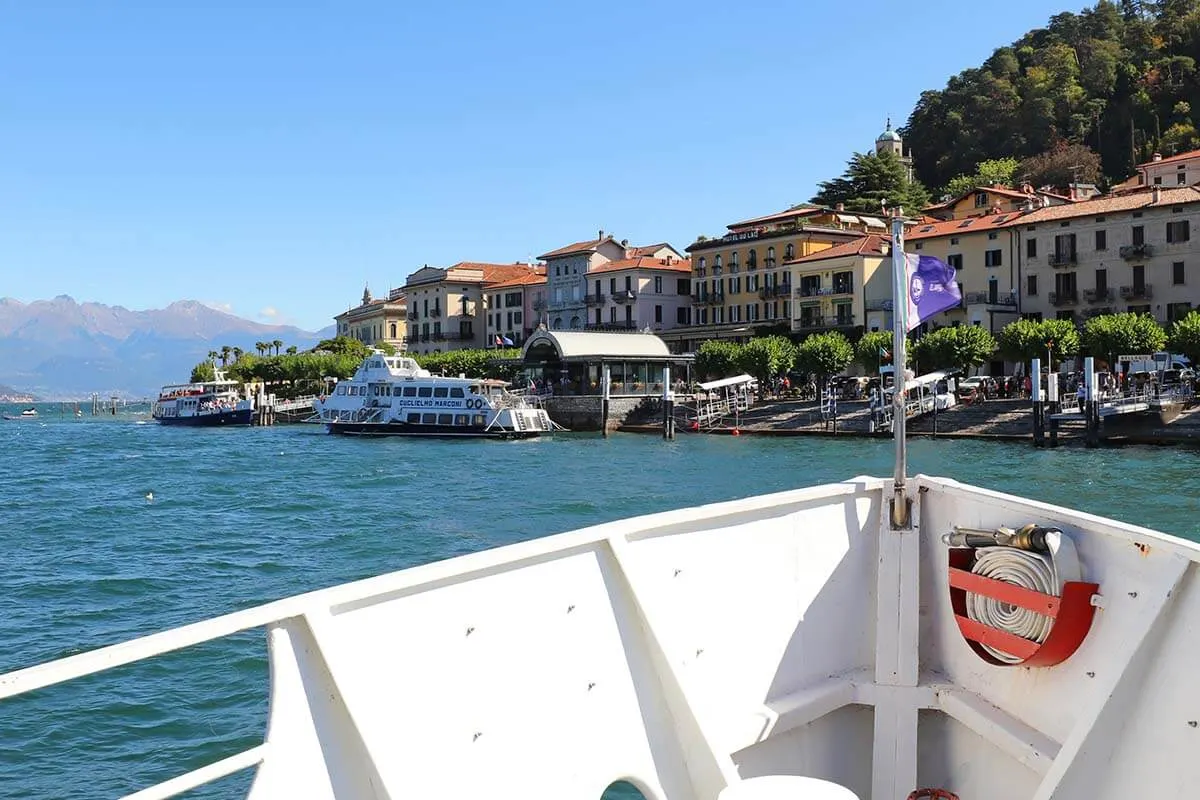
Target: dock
x,y
270,410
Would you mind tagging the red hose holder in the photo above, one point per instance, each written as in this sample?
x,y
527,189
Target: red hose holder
x,y
1072,614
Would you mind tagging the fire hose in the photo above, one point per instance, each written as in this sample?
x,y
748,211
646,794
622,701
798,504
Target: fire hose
x,y
1033,557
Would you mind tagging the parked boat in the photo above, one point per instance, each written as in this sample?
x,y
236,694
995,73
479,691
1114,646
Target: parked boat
x,y
393,396
29,413
210,403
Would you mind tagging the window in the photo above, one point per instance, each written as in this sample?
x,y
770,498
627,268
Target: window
x,y
456,392
1177,273
1138,235
429,419
612,285
955,260
789,252
658,313
681,316
1181,178
1178,231
1064,248
462,420
981,199
1137,215
733,260
919,246
441,391
1033,316
424,391
702,265
1031,248
1101,240
992,258
478,420
954,240
1101,284
410,391
1031,285
770,256
658,284
752,259
414,419
445,419
1177,311
717,261
992,234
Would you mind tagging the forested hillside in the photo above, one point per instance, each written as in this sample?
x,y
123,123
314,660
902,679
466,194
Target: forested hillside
x,y
1120,77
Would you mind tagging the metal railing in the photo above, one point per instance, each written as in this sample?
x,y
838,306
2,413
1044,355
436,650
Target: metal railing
x,y
624,296
1061,259
593,299
1130,292
1098,295
1136,252
987,298
1064,298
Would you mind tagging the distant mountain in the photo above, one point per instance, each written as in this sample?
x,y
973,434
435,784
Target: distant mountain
x,y
63,349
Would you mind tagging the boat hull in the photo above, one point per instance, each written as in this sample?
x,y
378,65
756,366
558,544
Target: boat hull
x,y
428,431
242,416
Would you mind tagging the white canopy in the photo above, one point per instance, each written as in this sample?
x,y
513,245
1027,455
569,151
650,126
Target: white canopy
x,y
584,344
736,380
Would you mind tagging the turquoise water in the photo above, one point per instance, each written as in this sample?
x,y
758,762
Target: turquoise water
x,y
239,517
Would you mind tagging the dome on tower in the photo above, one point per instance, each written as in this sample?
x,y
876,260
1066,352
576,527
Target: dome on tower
x,y
888,135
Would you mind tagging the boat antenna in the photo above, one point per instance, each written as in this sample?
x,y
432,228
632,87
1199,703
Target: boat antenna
x,y
900,509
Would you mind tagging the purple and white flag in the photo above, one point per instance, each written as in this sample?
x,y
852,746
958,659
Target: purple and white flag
x,y
931,287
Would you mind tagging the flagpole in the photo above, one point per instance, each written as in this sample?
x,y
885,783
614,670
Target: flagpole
x,y
899,331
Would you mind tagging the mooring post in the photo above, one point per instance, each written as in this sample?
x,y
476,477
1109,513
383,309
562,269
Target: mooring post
x,y
1039,411
604,397
1091,409
668,405
1053,405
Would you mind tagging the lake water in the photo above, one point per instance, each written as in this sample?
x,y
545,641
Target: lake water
x,y
239,517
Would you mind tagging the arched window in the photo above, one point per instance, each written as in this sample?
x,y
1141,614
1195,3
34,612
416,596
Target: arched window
x,y
701,265
733,261
393,331
752,259
789,252
771,256
557,324
717,261
575,322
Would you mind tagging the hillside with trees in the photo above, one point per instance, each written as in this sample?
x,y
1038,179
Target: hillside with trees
x,y
1118,80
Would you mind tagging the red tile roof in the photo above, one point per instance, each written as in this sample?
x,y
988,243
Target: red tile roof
x,y
528,279
1180,157
870,245
643,262
802,211
646,250
1111,205
952,227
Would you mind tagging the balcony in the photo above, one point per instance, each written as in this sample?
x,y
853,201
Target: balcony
x,y
1133,292
813,291
435,312
413,314
1062,259
624,296
1098,295
628,325
842,288
1064,298
452,336
815,322
1137,252
987,299
783,290
593,299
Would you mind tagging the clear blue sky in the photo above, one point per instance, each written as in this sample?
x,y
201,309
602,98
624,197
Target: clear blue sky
x,y
272,157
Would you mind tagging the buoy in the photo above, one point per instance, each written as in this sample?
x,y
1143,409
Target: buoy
x,y
695,426
736,432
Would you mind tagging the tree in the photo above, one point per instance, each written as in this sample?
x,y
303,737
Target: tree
x,y
225,353
204,371
291,351
767,356
1111,335
1025,340
1185,337
870,182
261,347
874,350
344,345
277,344
213,355
237,353
963,348
1061,165
824,354
716,359
993,172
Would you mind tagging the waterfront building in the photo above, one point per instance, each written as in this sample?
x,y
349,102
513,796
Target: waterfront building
x,y
981,201
373,321
642,293
984,253
445,305
514,308
741,281
846,288
1130,252
566,277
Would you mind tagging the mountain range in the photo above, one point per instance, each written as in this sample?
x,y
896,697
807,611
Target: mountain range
x,y
62,349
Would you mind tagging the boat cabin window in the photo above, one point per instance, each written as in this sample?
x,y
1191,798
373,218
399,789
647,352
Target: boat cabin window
x,y
424,391
410,391
474,390
445,419
429,419
341,389
456,392
440,391
414,419
461,419
479,420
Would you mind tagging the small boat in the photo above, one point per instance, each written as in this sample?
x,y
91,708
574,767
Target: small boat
x,y
394,396
29,413
208,404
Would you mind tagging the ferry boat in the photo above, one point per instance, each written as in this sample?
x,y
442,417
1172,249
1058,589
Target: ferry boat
x,y
877,638
393,396
210,403
29,413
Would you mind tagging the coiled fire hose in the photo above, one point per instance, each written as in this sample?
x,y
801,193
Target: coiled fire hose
x,y
1033,557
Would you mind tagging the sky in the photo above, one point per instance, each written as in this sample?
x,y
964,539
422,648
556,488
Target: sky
x,y
271,158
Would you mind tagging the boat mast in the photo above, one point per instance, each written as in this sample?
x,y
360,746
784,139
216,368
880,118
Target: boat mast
x,y
899,331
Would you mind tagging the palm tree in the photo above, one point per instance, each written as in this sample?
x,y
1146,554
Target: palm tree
x,y
213,355
261,347
225,351
277,344
237,353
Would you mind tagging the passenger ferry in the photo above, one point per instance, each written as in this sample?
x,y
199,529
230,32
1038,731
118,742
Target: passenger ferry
x,y
211,403
394,396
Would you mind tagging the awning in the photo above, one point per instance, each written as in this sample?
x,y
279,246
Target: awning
x,y
737,380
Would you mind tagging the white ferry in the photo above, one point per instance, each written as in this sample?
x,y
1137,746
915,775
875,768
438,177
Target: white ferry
x,y
394,396
211,403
